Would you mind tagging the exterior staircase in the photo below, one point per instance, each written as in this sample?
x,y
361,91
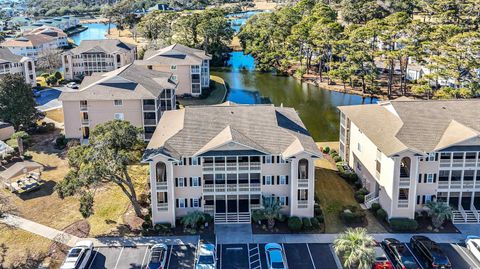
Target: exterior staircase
x,y
242,217
370,199
462,216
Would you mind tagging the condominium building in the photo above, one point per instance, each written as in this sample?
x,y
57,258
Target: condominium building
x,y
131,93
190,67
15,64
40,40
409,152
96,56
222,159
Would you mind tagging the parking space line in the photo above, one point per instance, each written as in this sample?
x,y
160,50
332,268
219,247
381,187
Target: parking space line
x,y
145,256
93,259
464,252
311,258
415,257
220,258
119,255
284,254
170,256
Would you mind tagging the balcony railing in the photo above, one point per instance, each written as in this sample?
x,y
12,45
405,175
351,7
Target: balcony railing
x,y
162,206
402,203
468,183
148,135
252,187
302,203
150,121
85,121
83,107
148,107
443,184
457,184
303,183
404,182
162,186
253,166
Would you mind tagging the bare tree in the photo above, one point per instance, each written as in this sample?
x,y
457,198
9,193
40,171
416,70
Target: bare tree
x,y
6,205
49,60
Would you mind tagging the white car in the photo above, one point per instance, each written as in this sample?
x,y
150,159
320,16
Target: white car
x,y
79,256
206,257
157,257
275,259
473,245
72,85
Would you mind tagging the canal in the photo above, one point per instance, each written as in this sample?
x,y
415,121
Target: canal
x,y
94,31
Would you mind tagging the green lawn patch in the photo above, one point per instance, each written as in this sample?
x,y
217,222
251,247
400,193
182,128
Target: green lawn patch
x,y
216,94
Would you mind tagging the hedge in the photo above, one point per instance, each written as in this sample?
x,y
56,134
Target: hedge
x,y
307,224
403,224
295,224
375,207
381,214
315,223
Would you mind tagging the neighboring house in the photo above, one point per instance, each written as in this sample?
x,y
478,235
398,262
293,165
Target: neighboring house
x,y
36,41
132,93
96,56
408,152
222,159
15,64
190,67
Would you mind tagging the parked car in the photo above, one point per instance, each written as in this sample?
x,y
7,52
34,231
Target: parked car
x,y
473,245
381,259
401,256
275,259
78,256
72,85
206,257
157,257
430,252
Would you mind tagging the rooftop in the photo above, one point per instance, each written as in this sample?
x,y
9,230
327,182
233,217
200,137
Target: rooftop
x,y
175,54
419,125
104,45
266,129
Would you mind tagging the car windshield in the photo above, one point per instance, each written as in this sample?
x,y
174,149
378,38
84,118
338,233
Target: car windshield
x,y
205,260
74,252
278,265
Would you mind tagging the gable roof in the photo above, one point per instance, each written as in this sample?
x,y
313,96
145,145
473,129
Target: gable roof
x,y
264,128
175,54
107,46
6,56
417,125
129,82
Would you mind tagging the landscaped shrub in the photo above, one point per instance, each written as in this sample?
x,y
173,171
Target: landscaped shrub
x,y
61,142
295,224
358,184
27,156
257,216
282,217
12,142
375,207
317,210
360,195
45,75
320,218
307,224
326,150
352,215
163,228
403,224
381,214
333,154
337,159
315,223
45,127
58,75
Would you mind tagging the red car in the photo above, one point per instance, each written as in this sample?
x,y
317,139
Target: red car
x,y
381,259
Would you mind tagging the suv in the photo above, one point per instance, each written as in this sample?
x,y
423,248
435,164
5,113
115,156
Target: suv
x,y
401,257
430,252
79,256
206,257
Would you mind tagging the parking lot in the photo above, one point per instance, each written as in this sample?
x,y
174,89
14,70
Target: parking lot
x,y
236,256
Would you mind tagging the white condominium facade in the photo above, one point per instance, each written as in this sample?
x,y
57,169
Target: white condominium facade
x,y
409,152
97,56
223,159
131,93
15,64
190,67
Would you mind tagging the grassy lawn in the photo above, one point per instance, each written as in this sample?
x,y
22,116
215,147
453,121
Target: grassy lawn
x,y
16,245
55,114
216,96
334,193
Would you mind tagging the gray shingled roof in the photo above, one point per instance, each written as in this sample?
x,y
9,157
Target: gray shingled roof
x,y
129,82
175,54
7,56
102,45
266,128
418,125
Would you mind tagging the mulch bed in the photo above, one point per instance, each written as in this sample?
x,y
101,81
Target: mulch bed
x,y
281,227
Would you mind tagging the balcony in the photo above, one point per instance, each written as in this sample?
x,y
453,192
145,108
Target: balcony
x,y
221,167
443,185
85,121
245,187
303,183
162,186
83,107
302,204
148,107
404,182
455,184
162,206
149,121
468,184
402,203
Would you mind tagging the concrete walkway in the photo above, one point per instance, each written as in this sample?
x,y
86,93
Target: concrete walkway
x,y
40,229
226,234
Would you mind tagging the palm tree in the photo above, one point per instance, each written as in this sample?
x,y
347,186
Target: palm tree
x,y
356,248
193,218
439,211
271,210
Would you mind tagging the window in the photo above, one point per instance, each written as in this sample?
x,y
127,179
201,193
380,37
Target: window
x,y
303,169
118,116
181,203
281,160
268,159
162,197
118,102
431,157
195,202
429,178
283,180
195,161
359,147
268,180
173,67
283,200
161,172
181,182
195,181
403,194
359,166
427,198
302,195
378,166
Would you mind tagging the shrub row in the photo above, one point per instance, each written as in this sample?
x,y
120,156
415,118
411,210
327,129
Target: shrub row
x,y
403,224
296,224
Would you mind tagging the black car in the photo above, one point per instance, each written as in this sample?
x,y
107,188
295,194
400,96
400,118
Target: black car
x,y
429,252
400,255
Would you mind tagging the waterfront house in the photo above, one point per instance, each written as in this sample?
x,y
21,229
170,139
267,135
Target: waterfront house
x,y
190,67
132,93
408,152
96,56
37,41
15,64
222,159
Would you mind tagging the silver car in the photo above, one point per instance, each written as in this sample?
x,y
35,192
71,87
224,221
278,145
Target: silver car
x,y
79,256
